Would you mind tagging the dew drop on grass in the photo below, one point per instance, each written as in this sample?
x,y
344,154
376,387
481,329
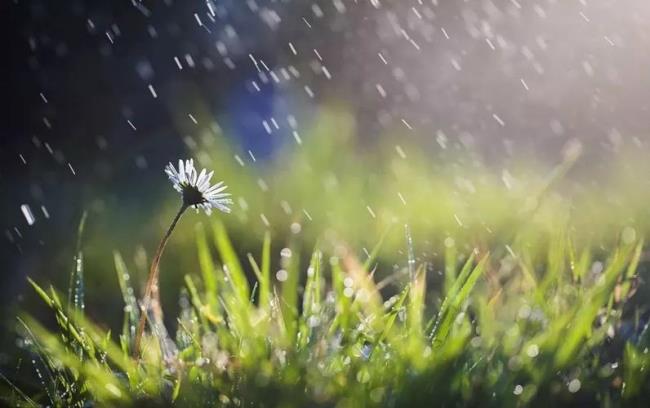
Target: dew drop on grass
x,y
363,376
459,318
532,351
296,228
518,389
411,256
574,386
476,341
377,394
524,312
313,321
449,242
285,253
363,296
596,267
629,235
281,275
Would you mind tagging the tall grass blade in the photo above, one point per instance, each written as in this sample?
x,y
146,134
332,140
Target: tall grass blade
x,y
455,303
208,269
231,262
76,285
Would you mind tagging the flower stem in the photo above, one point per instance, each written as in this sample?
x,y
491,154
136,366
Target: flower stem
x,y
152,282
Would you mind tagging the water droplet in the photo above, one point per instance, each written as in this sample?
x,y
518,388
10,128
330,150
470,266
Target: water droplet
x,y
449,242
532,351
629,235
574,386
296,228
281,275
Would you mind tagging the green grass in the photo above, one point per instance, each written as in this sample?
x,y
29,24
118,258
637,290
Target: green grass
x,y
506,329
409,280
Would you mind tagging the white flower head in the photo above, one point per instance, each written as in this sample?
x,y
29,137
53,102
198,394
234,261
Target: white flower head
x,y
196,189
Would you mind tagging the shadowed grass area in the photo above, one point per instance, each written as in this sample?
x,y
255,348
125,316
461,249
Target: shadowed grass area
x,y
520,328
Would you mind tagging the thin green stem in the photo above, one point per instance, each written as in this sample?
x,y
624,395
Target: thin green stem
x,y
152,282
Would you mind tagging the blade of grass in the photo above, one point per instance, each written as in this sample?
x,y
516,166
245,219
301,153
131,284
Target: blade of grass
x,y
289,291
128,294
376,249
451,255
582,321
416,303
208,270
456,302
76,284
450,295
231,262
263,275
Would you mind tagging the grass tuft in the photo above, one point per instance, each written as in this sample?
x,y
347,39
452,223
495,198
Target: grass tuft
x,y
327,334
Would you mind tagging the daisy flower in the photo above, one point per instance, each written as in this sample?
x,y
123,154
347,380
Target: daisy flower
x,y
197,192
195,187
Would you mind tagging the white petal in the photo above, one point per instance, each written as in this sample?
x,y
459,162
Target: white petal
x,y
186,167
222,208
181,172
207,180
192,176
169,169
173,176
200,179
204,185
216,188
216,197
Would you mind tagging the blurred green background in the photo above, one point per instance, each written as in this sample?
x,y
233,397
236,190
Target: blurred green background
x,y
333,189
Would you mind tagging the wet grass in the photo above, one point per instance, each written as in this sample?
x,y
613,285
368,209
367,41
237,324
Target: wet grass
x,y
505,328
421,282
